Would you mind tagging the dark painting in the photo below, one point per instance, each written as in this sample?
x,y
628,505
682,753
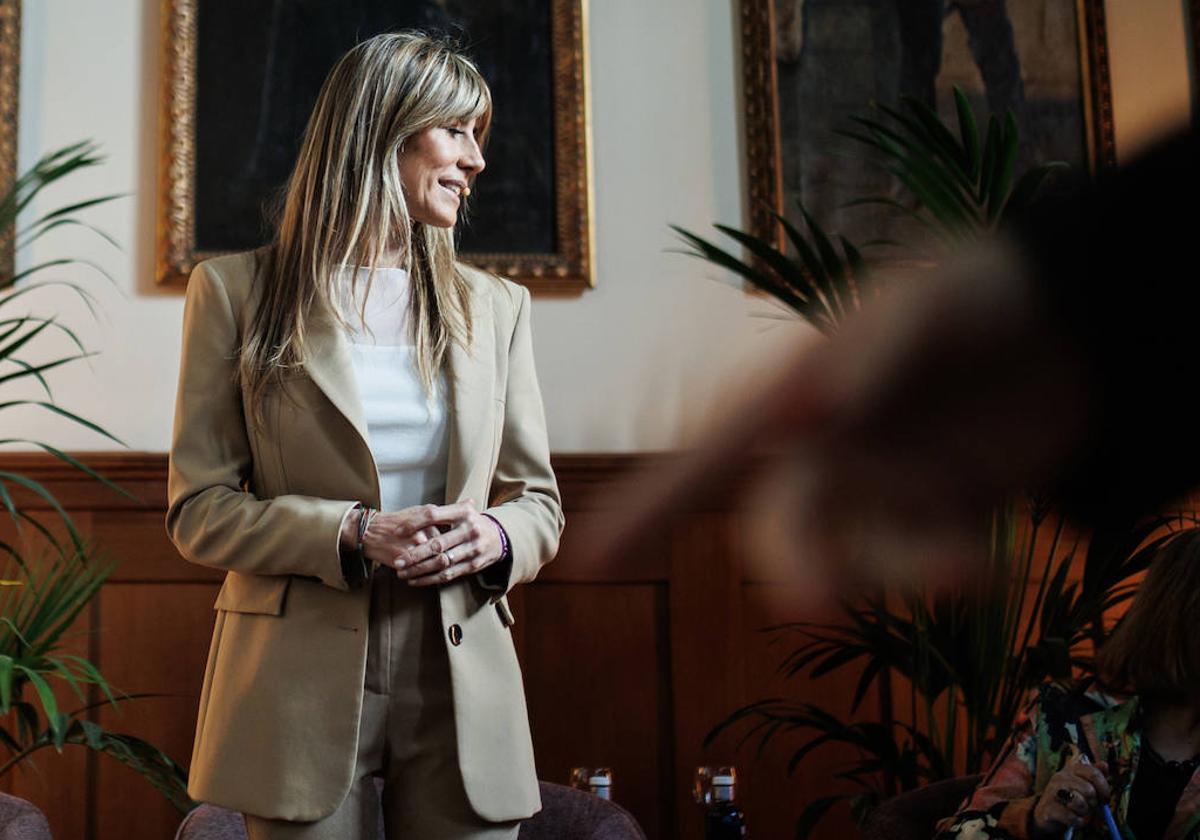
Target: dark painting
x,y
835,57
260,66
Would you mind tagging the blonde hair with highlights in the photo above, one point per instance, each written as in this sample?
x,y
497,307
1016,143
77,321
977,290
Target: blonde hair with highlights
x,y
344,205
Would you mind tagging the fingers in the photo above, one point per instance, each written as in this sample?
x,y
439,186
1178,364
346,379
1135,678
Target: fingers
x,y
435,544
1093,780
1077,795
420,557
464,559
437,555
407,522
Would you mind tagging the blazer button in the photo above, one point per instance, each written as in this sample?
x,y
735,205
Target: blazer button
x,y
455,635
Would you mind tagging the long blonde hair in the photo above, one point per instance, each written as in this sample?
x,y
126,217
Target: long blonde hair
x,y
344,205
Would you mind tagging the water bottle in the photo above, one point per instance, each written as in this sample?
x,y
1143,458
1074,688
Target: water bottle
x,y
723,820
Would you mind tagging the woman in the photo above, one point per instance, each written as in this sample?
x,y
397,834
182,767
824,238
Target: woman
x,y
1077,750
345,395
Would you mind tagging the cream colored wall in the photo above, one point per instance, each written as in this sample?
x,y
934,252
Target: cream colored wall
x,y
630,365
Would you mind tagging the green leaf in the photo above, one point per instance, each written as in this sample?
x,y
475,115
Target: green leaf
x,y
18,343
718,256
1002,175
30,235
37,488
968,130
89,300
37,369
45,695
1028,187
151,763
815,266
6,683
80,205
788,271
929,165
991,153
74,462
92,674
814,813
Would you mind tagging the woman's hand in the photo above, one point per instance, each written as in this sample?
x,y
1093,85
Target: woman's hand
x,y
1072,795
388,533
470,543
433,544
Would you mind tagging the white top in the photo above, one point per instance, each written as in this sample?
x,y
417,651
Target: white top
x,y
408,431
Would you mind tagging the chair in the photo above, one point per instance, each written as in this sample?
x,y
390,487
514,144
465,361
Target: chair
x,y
21,820
566,814
569,814
913,815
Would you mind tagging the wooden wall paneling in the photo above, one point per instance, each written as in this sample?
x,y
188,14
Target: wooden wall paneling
x,y
595,658
628,664
706,654
772,798
137,542
153,638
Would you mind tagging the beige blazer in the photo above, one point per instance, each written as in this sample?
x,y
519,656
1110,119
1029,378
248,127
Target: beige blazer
x,y
279,711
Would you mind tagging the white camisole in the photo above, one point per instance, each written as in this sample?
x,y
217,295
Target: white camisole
x,y
407,429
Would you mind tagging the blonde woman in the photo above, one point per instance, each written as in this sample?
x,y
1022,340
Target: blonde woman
x,y
360,443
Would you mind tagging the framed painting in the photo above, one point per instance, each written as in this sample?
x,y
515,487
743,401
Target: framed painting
x,y
809,65
10,75
239,81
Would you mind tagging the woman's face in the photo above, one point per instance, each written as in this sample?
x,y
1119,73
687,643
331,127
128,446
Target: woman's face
x,y
437,164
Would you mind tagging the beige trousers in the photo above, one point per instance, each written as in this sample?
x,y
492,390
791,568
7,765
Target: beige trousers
x,y
406,737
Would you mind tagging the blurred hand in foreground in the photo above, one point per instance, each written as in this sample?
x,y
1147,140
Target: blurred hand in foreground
x,y
880,452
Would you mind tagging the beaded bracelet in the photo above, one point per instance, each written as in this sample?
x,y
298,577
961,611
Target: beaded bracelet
x,y
505,548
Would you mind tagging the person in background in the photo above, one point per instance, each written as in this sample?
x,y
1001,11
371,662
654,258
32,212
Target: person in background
x,y
345,397
1078,747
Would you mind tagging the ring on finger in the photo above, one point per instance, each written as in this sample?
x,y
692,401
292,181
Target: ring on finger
x,y
1065,795
450,556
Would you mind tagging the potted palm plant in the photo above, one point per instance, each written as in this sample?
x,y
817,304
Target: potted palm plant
x,y
45,581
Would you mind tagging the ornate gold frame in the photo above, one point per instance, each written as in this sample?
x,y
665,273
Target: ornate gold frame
x,y
762,111
568,269
10,90
1193,25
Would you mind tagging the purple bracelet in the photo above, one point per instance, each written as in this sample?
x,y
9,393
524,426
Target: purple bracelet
x,y
505,548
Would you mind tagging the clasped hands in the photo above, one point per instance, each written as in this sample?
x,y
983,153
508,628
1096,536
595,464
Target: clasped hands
x,y
430,545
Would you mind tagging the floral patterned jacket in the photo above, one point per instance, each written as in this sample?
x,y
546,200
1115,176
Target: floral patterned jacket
x,y
1046,737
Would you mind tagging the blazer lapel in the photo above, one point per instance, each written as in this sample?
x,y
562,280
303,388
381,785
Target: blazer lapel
x,y
330,366
472,381
471,384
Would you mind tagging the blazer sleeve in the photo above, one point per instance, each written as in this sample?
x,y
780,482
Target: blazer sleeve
x,y
211,519
524,493
1001,807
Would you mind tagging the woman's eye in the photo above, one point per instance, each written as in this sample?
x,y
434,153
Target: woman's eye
x,y
455,132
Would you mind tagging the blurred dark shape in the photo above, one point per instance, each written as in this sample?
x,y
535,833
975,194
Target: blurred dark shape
x,y
1056,356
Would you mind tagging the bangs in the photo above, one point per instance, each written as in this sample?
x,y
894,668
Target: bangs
x,y
465,96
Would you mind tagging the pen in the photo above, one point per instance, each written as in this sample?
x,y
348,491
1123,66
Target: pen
x,y
1105,811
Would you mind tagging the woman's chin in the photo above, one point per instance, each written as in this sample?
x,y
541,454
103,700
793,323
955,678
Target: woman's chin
x,y
438,221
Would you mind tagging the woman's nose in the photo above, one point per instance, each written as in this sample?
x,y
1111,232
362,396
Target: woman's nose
x,y
472,160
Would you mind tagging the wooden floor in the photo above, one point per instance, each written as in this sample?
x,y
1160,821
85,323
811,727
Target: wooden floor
x,y
626,666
